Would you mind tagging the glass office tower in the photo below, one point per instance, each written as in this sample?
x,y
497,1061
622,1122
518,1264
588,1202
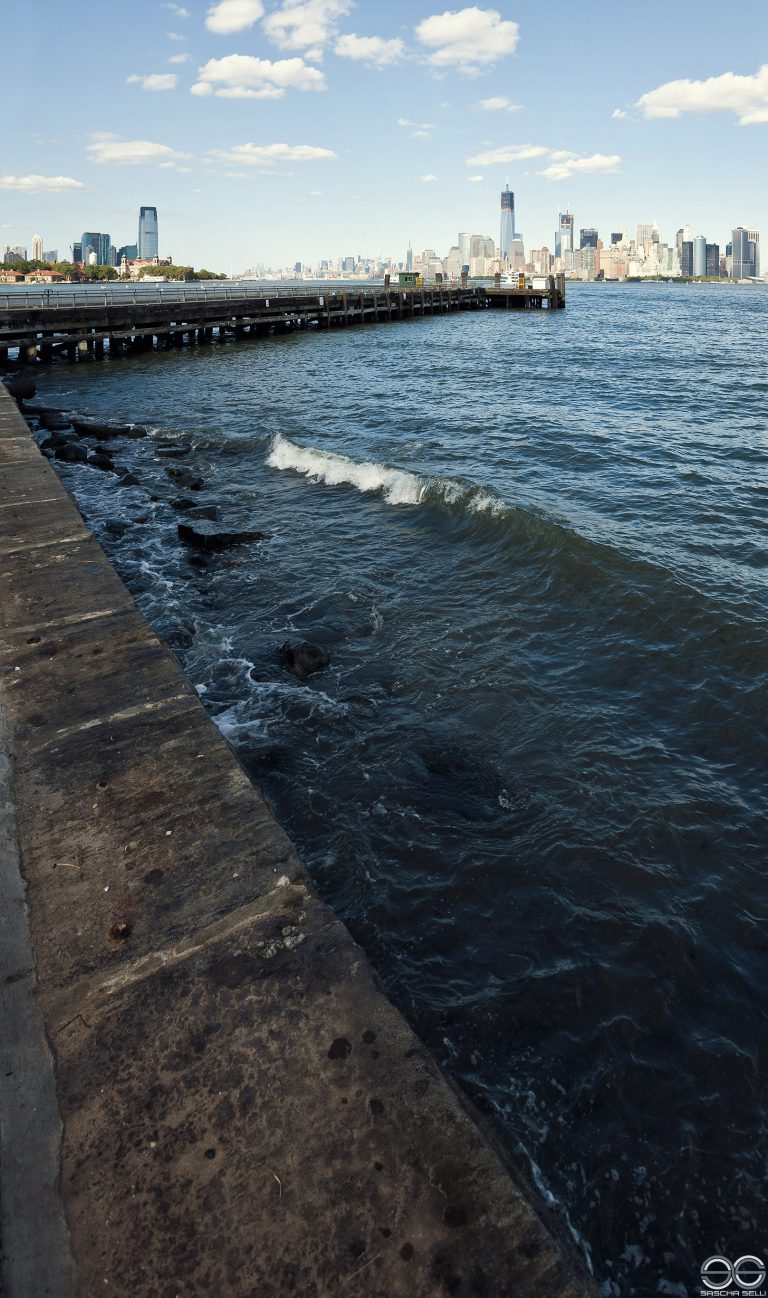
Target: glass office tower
x,y
147,244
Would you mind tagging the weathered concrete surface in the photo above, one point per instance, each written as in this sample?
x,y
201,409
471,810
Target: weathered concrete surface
x,y
244,1114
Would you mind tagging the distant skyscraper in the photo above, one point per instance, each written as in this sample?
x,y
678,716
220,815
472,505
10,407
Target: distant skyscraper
x,y
147,244
713,260
588,238
77,252
617,237
754,239
409,258
129,250
743,255
686,258
508,231
464,242
37,247
95,249
699,255
564,234
646,234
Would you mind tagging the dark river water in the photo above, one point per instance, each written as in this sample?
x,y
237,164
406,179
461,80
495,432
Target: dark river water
x,y
533,779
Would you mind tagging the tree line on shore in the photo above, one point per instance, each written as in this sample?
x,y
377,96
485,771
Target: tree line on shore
x,y
87,274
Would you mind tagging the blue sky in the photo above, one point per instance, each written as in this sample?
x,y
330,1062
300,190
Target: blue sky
x,y
400,122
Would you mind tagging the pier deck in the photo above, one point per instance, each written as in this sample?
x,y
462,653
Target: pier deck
x,y
79,324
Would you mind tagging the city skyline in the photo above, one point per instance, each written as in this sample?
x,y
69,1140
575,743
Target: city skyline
x,y
292,131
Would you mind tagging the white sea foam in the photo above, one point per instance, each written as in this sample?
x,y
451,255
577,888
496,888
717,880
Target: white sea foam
x,y
398,486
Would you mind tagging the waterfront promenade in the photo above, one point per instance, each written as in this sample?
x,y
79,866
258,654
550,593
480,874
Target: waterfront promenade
x,y
204,1089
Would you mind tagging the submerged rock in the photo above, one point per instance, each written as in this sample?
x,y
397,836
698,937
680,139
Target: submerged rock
x,y
182,503
171,452
185,478
22,387
129,480
95,428
204,511
56,440
303,659
203,535
71,453
103,462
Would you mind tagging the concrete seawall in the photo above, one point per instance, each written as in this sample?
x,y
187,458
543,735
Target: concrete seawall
x,y
205,1091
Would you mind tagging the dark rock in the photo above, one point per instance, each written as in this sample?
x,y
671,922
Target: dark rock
x,y
171,452
182,503
303,659
103,462
135,431
205,536
95,428
71,453
54,421
98,449
197,561
116,527
184,477
129,480
21,387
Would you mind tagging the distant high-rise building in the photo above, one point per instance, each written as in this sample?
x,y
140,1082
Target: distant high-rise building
x,y
147,243
743,255
297,267
463,241
699,255
617,236
507,224
713,260
51,255
564,234
754,239
37,247
686,258
588,238
77,252
646,234
17,253
96,249
409,258
129,250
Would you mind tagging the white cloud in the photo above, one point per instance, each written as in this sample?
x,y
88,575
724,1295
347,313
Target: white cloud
x,y
474,180
174,36
233,16
155,81
305,24
427,180
423,130
180,58
467,38
110,148
596,163
173,166
618,112
177,10
39,184
509,153
240,76
747,97
261,155
497,104
373,50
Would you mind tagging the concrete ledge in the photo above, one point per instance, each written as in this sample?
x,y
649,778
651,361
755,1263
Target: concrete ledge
x,y
237,1109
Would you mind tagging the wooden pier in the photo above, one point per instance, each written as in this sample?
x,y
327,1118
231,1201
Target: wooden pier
x,y
78,324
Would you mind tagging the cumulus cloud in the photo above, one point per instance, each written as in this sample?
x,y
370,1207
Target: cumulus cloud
x,y
467,39
373,50
747,97
474,180
508,153
39,184
427,180
497,104
566,167
155,81
110,148
420,130
174,36
241,76
180,58
177,10
262,155
305,24
618,112
562,163
233,16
